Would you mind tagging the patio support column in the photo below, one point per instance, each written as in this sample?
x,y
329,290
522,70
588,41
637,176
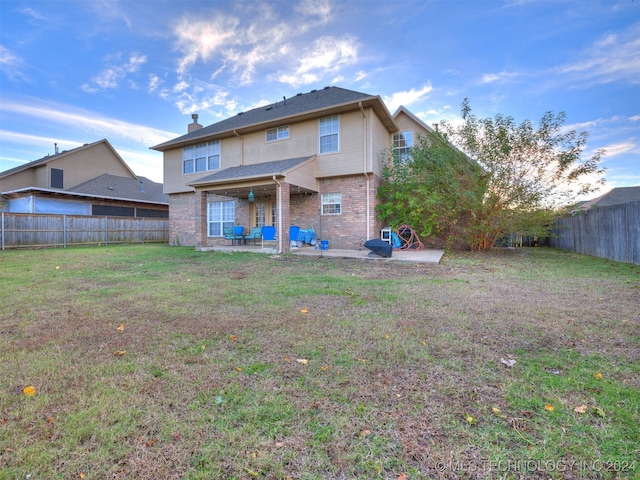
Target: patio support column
x,y
200,213
285,217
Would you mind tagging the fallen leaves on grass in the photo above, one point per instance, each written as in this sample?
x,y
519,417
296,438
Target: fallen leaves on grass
x,y
365,433
509,362
471,420
549,408
29,391
598,376
598,411
581,409
304,310
233,338
121,327
119,353
303,361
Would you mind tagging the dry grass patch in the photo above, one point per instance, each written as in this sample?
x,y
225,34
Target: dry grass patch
x,y
245,366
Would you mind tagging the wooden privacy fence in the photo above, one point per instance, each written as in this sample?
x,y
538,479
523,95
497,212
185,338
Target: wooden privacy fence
x,y
22,230
608,232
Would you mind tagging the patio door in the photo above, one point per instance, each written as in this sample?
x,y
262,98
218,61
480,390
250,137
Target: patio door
x,y
263,213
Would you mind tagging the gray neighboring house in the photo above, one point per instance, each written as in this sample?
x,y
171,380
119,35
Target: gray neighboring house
x,y
616,196
89,180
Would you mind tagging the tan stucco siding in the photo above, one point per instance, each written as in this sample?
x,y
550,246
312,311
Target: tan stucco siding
x,y
406,123
174,180
304,176
78,167
381,147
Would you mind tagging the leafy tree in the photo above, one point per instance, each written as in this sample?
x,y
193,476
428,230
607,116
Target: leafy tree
x,y
435,189
517,176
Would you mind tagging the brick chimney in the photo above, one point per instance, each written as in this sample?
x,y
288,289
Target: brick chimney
x,y
192,127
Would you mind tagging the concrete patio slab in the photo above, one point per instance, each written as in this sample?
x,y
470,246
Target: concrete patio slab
x,y
415,256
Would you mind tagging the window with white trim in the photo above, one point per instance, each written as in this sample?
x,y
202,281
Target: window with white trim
x,y
220,215
279,133
201,157
331,203
329,133
402,143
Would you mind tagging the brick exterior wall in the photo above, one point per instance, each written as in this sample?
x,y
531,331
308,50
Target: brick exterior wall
x,y
182,219
345,231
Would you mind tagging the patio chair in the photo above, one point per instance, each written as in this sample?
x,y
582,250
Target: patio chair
x,y
255,234
268,234
229,234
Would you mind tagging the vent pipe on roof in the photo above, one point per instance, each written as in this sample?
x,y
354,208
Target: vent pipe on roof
x,y
55,147
192,127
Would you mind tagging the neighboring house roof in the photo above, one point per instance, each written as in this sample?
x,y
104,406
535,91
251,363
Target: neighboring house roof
x,y
260,170
41,161
615,196
301,105
112,186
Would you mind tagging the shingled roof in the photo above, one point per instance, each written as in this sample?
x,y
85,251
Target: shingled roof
x,y
615,196
298,105
123,188
266,169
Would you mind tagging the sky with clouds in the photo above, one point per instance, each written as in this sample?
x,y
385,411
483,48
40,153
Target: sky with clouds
x,y
133,72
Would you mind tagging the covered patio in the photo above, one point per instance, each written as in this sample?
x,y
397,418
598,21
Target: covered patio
x,y
263,195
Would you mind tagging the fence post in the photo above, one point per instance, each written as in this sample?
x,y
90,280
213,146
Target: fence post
x,y
2,228
143,230
64,230
106,231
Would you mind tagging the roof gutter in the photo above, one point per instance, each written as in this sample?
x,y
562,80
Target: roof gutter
x,y
281,234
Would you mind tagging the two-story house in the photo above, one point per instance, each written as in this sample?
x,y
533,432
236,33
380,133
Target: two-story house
x,y
313,160
92,179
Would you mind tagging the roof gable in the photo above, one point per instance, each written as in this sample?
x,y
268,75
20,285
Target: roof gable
x,y
52,158
296,107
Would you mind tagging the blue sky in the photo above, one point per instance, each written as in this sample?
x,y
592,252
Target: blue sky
x,y
74,72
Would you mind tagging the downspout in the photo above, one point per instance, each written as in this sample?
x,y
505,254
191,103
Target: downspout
x,y
241,146
279,214
364,167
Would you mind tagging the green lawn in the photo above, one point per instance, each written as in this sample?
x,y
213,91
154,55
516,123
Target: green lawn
x,y
161,362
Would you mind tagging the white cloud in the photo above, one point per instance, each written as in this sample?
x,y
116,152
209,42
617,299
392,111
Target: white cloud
x,y
406,98
201,40
613,58
30,12
154,83
83,120
11,64
501,77
327,55
322,9
111,76
619,148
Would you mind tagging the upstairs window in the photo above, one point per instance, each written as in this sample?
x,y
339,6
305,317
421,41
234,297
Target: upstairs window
x,y
201,157
402,143
329,134
331,203
279,133
57,178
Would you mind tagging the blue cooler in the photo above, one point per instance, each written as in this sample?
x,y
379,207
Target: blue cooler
x,y
294,231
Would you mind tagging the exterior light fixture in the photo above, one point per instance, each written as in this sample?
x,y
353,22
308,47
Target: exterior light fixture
x,y
251,197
